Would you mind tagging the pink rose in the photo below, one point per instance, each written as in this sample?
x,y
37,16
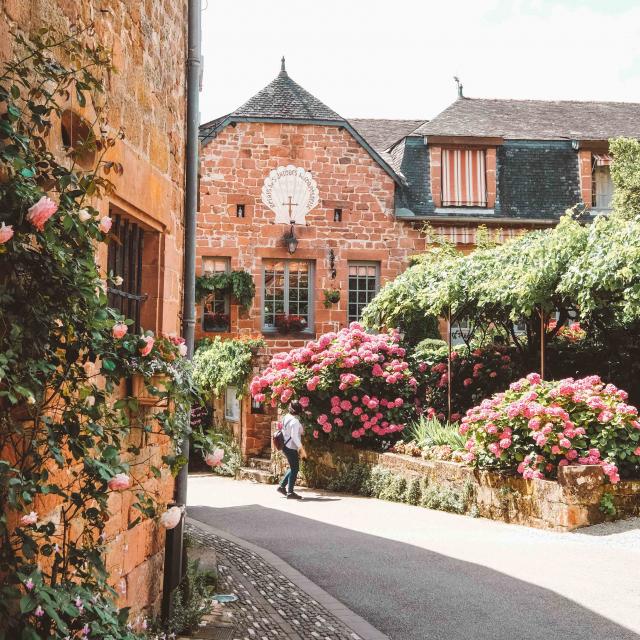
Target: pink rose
x,y
105,224
119,330
39,612
6,233
505,443
467,381
316,434
636,451
30,518
119,482
171,517
146,350
41,211
565,443
215,459
304,401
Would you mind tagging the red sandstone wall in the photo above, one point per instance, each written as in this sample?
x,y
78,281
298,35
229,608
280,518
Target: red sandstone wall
x,y
146,98
233,168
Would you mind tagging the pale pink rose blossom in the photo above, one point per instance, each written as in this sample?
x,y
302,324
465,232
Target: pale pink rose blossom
x,y
41,211
146,350
29,584
6,233
119,330
84,215
28,519
171,518
215,459
119,482
182,350
39,612
105,224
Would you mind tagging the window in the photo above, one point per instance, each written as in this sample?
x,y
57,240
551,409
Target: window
x,y
364,283
215,313
288,295
602,186
464,182
460,331
231,404
337,215
240,212
124,260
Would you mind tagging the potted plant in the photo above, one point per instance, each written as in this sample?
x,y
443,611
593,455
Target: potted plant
x,y
331,296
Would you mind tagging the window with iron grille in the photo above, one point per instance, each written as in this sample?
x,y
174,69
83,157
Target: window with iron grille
x,y
124,260
215,316
364,283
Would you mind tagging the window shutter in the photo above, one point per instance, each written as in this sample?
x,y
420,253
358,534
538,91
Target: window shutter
x,y
464,182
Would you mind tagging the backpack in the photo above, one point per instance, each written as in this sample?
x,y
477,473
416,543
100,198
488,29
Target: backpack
x,y
277,438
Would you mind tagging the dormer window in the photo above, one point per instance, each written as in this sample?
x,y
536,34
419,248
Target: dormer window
x,y
602,185
464,178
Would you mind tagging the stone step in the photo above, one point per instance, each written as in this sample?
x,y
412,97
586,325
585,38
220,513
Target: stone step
x,y
263,464
256,475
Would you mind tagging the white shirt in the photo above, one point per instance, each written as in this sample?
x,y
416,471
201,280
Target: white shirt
x,y
292,432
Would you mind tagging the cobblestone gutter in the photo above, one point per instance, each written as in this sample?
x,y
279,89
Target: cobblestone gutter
x,y
274,601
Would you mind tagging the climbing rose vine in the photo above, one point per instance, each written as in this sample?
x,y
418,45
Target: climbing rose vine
x,y
536,427
352,384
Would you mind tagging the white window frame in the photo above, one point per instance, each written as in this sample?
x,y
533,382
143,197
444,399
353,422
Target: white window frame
x,y
232,407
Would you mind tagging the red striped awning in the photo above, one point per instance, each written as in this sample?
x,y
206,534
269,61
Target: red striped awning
x,y
464,182
602,159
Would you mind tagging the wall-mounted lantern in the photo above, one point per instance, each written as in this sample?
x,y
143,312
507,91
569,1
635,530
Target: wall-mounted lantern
x,y
291,241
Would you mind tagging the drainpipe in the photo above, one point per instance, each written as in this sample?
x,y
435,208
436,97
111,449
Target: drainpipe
x,y
174,563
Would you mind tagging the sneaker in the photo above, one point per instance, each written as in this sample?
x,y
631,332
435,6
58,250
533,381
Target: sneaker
x,y
282,490
293,496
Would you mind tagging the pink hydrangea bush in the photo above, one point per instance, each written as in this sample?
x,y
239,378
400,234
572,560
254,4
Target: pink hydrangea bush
x,y
352,384
536,427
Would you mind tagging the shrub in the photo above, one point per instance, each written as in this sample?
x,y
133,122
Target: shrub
x,y
353,478
218,364
353,385
535,427
191,601
474,375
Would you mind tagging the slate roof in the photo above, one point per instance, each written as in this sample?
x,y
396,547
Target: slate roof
x,y
284,98
536,119
382,134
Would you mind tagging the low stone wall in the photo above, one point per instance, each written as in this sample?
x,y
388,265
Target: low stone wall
x,y
571,502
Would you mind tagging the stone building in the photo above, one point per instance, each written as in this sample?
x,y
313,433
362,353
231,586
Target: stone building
x,y
146,97
370,187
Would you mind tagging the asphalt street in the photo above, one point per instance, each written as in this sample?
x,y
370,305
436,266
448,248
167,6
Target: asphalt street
x,y
417,574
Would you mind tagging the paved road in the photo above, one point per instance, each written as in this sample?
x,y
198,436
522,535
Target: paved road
x,y
417,574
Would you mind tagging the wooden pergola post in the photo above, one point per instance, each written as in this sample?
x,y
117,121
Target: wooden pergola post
x,y
542,324
449,364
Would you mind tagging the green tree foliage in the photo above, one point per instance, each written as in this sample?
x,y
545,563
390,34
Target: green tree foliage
x,y
218,364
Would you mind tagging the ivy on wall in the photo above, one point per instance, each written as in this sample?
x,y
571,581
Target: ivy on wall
x,y
239,284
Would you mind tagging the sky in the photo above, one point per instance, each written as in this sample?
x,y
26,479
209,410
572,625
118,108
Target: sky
x,y
397,58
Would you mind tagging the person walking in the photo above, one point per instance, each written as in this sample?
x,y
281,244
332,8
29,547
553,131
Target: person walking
x,y
293,450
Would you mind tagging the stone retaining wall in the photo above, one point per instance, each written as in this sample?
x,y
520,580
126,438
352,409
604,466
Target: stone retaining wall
x,y
571,502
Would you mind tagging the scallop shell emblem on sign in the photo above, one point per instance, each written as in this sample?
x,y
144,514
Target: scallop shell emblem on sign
x,y
290,192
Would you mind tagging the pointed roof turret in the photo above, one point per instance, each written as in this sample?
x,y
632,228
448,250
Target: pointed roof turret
x,y
286,99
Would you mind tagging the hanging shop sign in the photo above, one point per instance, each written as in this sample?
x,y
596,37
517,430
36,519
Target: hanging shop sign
x,y
290,192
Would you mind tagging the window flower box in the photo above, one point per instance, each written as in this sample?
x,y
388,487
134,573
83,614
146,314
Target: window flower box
x,y
290,323
216,322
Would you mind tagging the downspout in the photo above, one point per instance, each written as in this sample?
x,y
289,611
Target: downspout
x,y
173,564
